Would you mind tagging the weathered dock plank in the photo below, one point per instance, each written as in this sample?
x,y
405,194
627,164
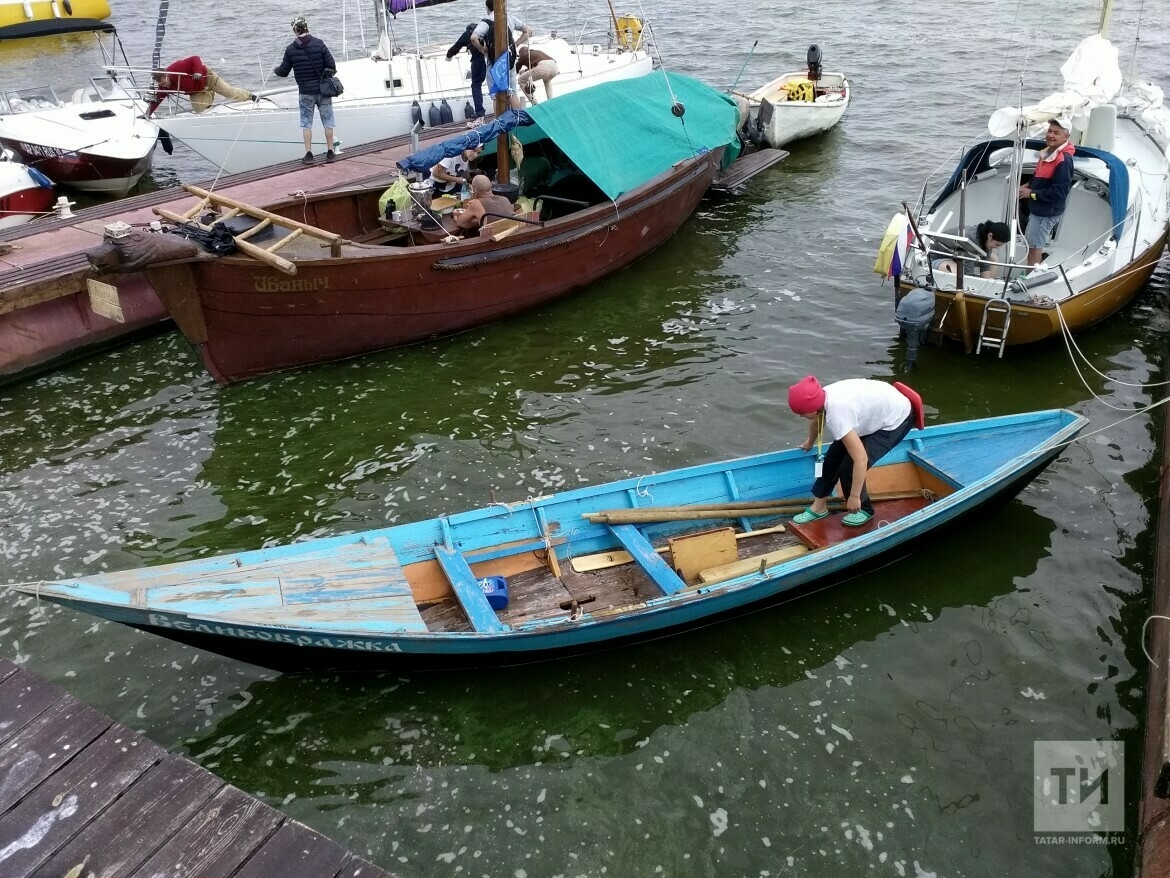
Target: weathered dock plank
x,y
23,702
83,795
122,837
220,836
57,809
44,745
292,852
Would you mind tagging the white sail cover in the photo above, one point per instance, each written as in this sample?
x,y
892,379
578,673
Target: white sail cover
x,y
1092,77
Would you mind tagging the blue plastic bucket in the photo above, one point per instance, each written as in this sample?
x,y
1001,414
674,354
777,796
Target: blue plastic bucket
x,y
495,589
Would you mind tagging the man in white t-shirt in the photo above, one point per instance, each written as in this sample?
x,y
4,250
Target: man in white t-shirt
x,y
451,173
864,420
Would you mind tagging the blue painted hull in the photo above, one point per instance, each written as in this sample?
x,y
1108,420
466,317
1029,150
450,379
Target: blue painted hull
x,y
984,462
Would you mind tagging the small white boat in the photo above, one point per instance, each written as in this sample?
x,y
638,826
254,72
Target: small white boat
x,y
97,141
385,94
25,193
798,104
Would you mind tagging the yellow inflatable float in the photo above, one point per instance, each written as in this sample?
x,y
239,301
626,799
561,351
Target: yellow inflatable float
x,y
34,18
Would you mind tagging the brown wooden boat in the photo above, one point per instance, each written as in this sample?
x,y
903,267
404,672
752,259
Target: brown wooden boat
x,y
384,288
337,279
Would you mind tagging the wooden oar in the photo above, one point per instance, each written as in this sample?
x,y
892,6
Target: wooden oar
x,y
651,514
733,509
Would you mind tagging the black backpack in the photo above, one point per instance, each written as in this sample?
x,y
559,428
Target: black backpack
x,y
489,40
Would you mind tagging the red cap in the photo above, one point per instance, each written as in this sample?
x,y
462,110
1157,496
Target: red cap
x,y
806,396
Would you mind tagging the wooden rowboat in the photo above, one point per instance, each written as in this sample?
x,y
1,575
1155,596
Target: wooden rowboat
x,y
583,569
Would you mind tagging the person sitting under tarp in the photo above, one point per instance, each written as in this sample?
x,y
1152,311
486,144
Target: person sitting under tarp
x,y
190,76
482,207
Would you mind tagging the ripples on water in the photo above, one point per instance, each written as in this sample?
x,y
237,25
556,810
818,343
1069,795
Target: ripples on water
x,y
884,725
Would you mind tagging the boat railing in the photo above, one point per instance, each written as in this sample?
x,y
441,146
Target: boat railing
x,y
597,32
932,254
29,99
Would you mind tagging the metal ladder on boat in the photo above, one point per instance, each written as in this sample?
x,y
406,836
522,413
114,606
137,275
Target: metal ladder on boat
x,y
991,334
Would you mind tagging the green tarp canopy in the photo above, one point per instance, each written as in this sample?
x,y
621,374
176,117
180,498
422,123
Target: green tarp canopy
x,y
623,134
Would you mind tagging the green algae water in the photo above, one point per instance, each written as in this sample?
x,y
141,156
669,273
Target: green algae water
x,y
884,726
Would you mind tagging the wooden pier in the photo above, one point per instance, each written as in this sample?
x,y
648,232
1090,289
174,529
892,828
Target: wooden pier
x,y
1153,857
81,795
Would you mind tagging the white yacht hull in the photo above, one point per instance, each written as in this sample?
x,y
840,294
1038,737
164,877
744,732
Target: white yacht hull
x,y
377,104
95,145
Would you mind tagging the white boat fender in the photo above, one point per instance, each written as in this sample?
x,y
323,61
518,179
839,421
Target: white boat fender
x,y
743,108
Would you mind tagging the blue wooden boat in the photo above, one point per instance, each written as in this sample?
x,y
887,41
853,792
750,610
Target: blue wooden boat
x,y
582,569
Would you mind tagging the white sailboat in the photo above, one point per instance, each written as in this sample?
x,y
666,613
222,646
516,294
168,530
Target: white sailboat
x,y
385,94
1111,235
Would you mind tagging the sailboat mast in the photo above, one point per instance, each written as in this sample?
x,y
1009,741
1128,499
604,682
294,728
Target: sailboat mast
x,y
1106,14
503,39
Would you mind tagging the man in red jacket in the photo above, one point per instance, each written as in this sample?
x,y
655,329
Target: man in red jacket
x,y
1047,191
191,77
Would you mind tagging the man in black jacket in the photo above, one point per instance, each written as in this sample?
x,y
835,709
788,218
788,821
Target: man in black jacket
x,y
309,60
478,72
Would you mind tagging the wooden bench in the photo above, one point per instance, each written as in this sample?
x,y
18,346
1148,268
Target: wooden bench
x,y
467,591
641,550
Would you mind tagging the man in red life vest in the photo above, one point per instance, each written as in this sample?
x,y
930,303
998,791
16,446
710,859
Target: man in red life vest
x,y
1047,191
190,76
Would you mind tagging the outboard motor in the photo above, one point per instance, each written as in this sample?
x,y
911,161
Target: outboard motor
x,y
814,62
433,115
445,114
415,112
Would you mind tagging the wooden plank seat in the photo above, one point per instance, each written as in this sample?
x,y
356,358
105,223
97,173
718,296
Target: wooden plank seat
x,y
467,591
648,559
499,229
